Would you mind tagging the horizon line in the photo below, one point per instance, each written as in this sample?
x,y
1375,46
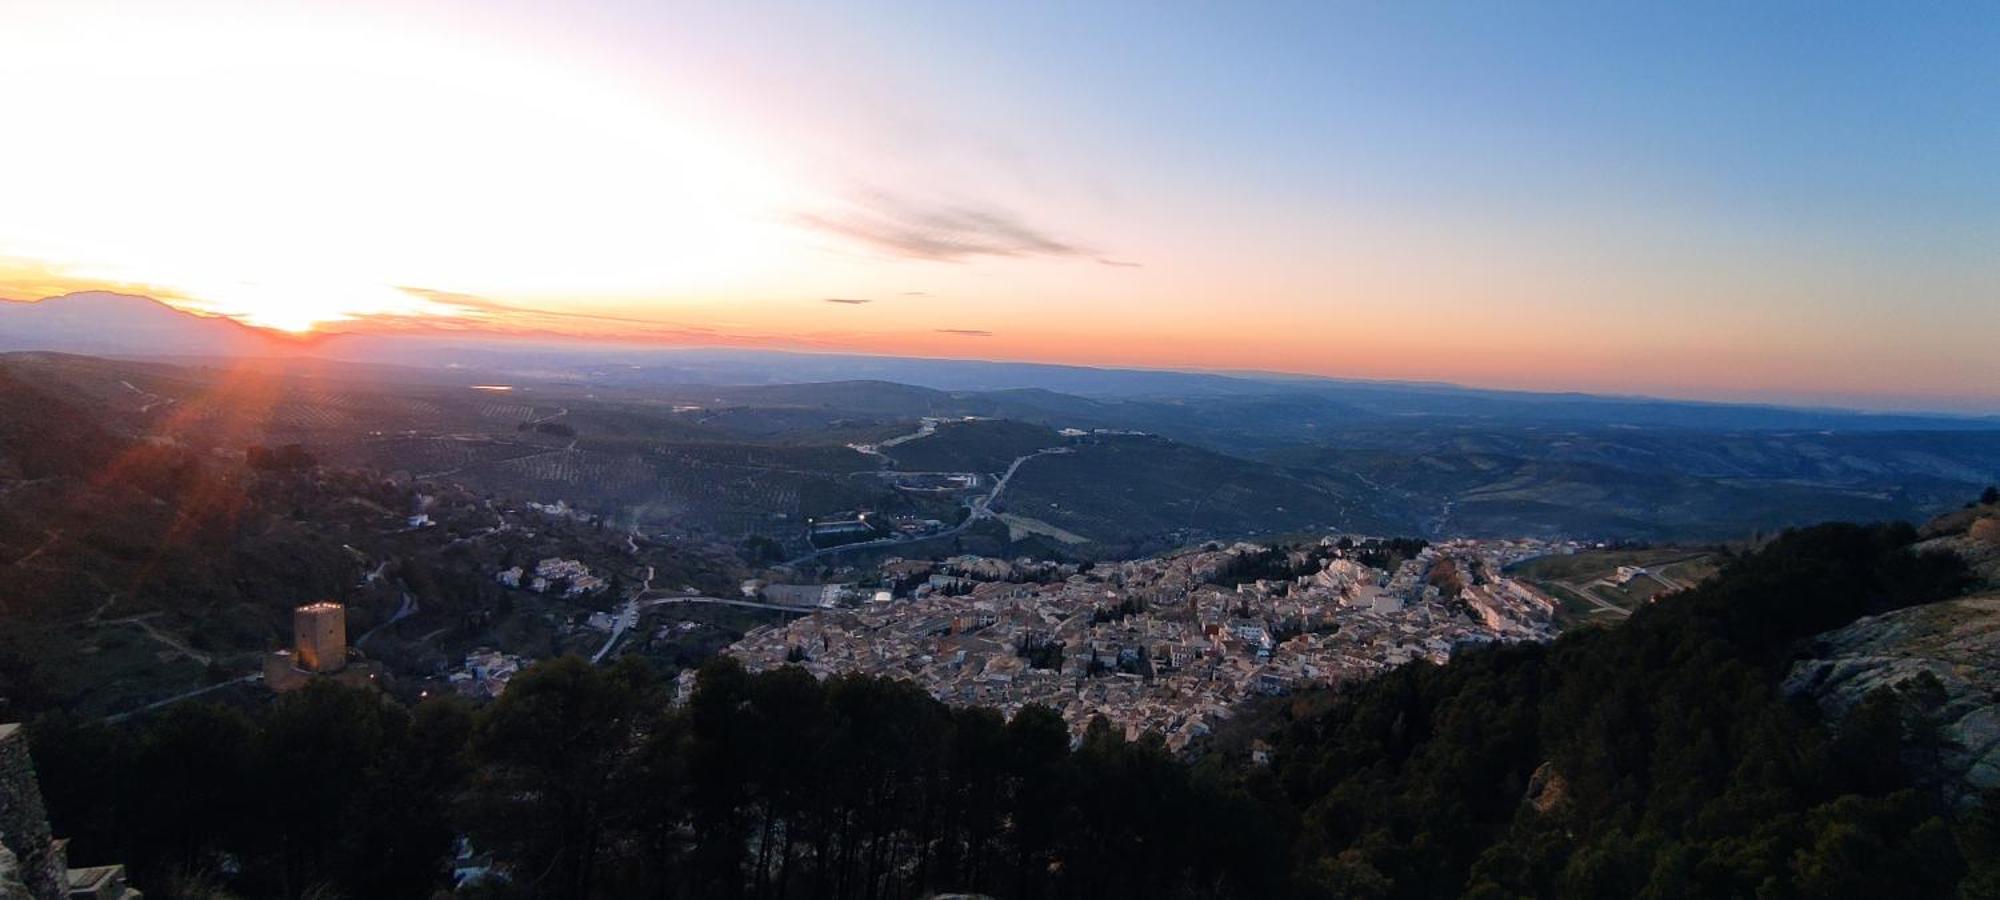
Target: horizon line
x,y
316,339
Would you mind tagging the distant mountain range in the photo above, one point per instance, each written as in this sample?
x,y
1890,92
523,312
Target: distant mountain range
x,y
108,324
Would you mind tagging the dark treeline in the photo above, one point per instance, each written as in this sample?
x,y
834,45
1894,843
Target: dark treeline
x,y
583,781
1656,759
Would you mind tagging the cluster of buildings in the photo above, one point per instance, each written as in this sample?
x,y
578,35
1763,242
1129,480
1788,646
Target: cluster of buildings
x,y
572,575
828,531
485,674
1170,644
867,525
561,510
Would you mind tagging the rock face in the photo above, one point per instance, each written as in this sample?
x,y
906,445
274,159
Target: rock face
x,y
1974,534
1548,790
24,826
11,887
1957,641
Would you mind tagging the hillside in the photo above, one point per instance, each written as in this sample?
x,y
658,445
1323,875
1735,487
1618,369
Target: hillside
x,y
987,447
1660,758
134,569
127,325
1144,494
43,438
1948,651
1651,484
729,463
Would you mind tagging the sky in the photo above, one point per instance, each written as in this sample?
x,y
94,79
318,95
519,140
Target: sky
x,y
1774,201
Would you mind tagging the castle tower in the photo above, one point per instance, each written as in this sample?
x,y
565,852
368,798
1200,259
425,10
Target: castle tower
x,y
319,635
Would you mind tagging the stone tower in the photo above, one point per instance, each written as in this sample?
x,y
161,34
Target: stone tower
x,y
319,633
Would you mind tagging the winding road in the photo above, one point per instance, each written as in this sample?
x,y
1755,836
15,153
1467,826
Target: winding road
x,y
407,609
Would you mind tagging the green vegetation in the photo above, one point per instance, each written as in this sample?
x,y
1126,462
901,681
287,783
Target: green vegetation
x,y
1658,484
1135,495
1591,590
987,446
583,782
132,571
289,458
1589,565
721,463
1656,759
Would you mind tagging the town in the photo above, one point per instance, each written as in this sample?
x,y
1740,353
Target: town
x,y
1171,644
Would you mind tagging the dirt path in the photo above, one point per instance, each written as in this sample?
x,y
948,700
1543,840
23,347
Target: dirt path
x,y
54,535
189,695
144,622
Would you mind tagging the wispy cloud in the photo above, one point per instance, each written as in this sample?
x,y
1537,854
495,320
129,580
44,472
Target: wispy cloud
x,y
916,293
483,308
1120,263
937,231
849,301
966,332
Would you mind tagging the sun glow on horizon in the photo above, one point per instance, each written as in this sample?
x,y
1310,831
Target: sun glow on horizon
x,y
305,308
266,176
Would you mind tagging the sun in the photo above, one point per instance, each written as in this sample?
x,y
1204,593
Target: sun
x,y
280,320
378,157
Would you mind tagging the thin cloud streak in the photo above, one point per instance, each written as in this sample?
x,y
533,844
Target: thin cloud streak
x,y
943,232
966,332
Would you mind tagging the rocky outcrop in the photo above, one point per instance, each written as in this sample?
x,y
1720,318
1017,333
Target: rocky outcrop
x,y
1974,534
24,825
1956,641
11,887
1548,790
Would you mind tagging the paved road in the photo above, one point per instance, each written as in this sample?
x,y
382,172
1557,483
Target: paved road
x,y
1603,605
628,618
925,428
407,609
724,601
983,503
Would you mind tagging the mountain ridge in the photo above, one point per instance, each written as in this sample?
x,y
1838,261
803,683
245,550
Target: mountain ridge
x,y
157,329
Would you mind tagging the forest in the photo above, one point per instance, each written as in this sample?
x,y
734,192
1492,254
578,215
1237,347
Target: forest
x,y
1654,759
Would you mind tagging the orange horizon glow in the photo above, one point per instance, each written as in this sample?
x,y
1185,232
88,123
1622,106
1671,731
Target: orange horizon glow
x,y
1719,376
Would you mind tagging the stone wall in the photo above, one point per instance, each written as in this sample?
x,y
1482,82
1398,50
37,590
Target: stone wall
x,y
24,823
11,887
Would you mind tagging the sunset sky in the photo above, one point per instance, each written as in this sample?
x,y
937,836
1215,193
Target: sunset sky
x,y
1735,201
